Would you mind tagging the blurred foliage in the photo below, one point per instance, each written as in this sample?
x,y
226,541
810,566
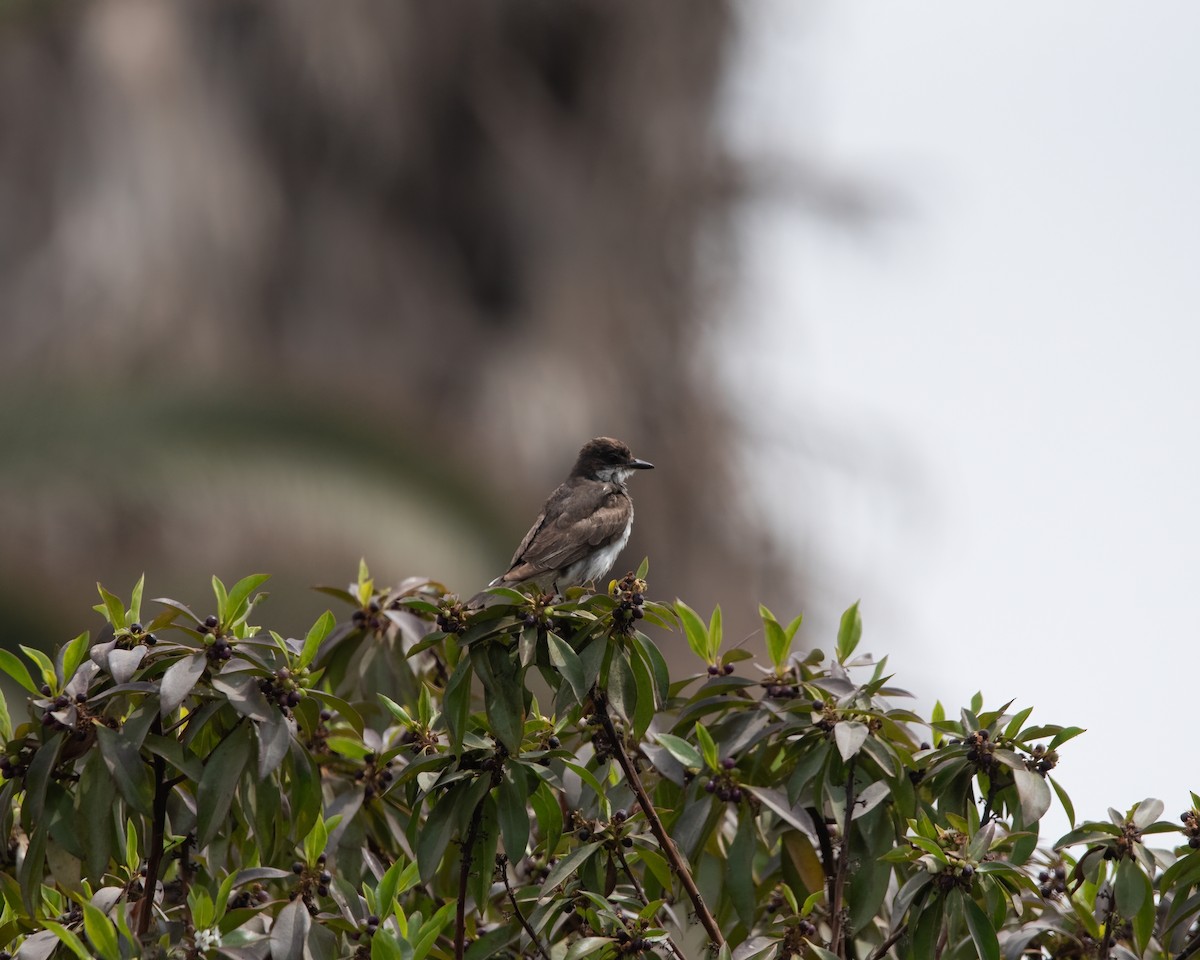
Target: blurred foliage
x,y
281,289
426,779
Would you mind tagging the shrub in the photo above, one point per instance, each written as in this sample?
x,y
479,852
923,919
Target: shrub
x,y
428,779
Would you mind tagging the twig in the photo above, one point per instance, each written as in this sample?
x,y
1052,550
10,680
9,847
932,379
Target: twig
x,y
637,886
1191,949
464,874
158,828
512,898
843,864
893,938
656,826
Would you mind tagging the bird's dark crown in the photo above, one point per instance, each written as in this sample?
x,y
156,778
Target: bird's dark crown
x,y
601,453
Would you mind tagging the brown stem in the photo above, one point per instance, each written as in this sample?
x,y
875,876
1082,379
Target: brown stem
x,y
512,898
656,826
464,874
836,941
637,886
881,951
158,829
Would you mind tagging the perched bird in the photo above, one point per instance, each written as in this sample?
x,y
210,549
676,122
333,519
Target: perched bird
x,y
583,525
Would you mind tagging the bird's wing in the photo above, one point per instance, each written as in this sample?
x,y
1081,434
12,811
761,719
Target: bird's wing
x,y
577,518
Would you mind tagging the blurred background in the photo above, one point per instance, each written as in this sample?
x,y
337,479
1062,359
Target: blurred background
x,y
899,302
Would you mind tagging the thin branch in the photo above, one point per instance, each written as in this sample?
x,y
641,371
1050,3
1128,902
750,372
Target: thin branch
x,y
843,866
656,826
158,829
464,874
512,898
891,941
637,886
1191,949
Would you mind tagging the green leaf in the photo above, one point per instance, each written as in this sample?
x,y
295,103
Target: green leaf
x,y
6,730
680,749
549,817
290,930
707,747
1034,793
739,873
114,609
622,688
1065,800
315,637
566,660
70,939
222,771
318,838
715,633
179,680
431,929
850,735
125,766
778,641
456,704
849,633
239,594
101,932
1131,888
504,703
568,865
13,666
74,653
44,663
693,629
385,893
514,818
986,945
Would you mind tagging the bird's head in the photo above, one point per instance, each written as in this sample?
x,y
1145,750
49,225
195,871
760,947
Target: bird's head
x,y
607,459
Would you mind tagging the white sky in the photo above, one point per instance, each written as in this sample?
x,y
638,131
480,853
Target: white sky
x,y
1012,356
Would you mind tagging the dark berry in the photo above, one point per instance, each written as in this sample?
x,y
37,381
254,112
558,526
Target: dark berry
x,y
736,794
47,719
968,871
553,743
620,816
358,616
1194,843
584,834
326,877
151,639
321,859
201,628
627,841
710,786
713,670
211,622
326,716
297,867
322,890
136,628
638,613
293,698
729,763
728,668
46,691
372,921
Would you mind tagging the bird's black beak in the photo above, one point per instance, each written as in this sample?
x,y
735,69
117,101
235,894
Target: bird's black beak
x,y
636,464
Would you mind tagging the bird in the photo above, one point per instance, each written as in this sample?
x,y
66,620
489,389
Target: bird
x,y
584,524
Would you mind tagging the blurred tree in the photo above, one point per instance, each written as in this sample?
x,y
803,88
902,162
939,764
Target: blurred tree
x,y
282,288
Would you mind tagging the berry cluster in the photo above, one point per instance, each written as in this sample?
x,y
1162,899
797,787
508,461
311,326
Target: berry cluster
x,y
366,930
1191,827
720,669
64,712
133,635
369,618
284,688
781,688
725,786
958,874
452,617
630,943
375,777
1053,882
631,592
218,646
255,895
1043,760
312,881
827,715
981,752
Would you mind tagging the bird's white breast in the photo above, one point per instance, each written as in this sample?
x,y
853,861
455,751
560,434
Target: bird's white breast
x,y
597,564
